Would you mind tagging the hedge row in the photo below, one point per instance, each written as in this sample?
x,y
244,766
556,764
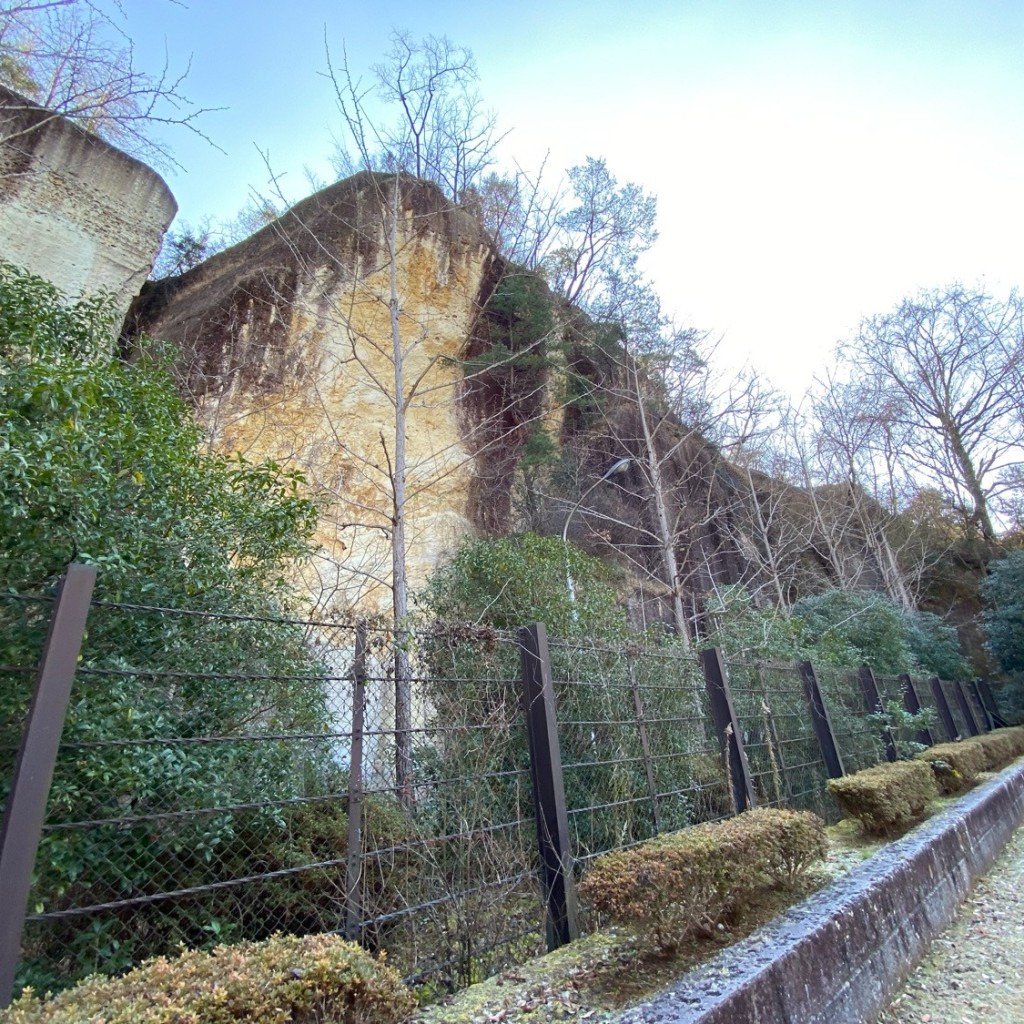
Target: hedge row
x,y
887,797
313,979
687,881
890,797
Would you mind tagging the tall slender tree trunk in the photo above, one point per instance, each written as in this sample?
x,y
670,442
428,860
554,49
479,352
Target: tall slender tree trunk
x,y
399,577
971,481
669,561
766,542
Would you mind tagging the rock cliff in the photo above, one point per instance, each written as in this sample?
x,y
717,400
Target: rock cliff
x,y
287,352
74,209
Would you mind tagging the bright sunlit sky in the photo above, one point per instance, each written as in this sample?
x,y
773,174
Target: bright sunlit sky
x,y
814,160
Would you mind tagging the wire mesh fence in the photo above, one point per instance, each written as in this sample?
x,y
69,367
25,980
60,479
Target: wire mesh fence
x,y
858,737
203,786
638,757
786,763
223,777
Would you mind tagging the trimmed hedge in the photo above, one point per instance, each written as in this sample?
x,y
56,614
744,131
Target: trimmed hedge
x,y
956,765
305,980
676,884
1002,746
887,797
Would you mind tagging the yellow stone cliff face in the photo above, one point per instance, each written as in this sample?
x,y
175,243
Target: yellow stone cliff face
x,y
288,354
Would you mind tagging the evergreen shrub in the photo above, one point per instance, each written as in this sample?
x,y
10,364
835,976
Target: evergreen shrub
x,y
286,978
887,797
691,880
1007,743
956,765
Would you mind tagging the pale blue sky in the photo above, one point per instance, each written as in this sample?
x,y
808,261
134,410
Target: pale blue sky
x,y
814,160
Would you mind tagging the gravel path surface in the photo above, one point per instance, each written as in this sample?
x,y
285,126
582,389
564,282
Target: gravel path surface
x,y
973,972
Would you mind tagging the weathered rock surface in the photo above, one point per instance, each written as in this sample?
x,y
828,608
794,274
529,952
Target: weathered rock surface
x,y
74,209
287,353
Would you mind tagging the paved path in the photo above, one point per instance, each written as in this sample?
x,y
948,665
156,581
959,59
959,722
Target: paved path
x,y
974,971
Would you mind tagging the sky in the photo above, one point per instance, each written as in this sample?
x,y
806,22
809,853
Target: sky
x,y
815,161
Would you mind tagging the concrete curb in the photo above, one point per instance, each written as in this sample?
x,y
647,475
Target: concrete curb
x,y
838,957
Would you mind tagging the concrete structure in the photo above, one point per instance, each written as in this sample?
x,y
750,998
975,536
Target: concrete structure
x,y
73,209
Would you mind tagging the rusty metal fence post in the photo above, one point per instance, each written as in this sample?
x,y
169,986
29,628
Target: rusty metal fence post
x,y
727,726
965,708
945,715
821,722
25,810
912,704
991,708
873,704
556,864
354,858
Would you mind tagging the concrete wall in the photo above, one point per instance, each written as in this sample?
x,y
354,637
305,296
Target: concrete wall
x,y
73,209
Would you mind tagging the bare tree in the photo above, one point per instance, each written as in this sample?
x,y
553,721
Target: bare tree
x,y
519,214
441,132
936,370
601,239
75,58
675,515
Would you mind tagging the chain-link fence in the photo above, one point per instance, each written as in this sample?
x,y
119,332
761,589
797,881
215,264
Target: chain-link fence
x,y
226,776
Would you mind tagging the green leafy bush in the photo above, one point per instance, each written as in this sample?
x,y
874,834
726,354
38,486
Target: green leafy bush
x,y
847,628
507,582
680,883
840,627
887,797
742,630
893,720
956,765
102,462
313,979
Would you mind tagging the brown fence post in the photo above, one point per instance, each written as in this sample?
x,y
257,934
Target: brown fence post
x,y
354,857
727,725
989,700
945,715
25,811
645,745
912,704
873,703
986,723
965,708
821,722
548,787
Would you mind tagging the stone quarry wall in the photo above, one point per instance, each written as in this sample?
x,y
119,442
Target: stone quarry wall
x,y
73,209
287,354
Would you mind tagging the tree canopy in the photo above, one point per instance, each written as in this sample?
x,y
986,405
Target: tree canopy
x,y
936,384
